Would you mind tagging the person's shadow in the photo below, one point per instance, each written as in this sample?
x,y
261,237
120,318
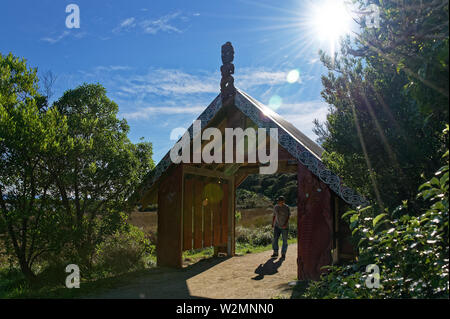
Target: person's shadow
x,y
269,268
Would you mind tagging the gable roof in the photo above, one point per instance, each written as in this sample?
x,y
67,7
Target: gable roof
x,y
290,138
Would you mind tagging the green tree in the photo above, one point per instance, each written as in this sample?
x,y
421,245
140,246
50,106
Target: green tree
x,y
97,169
388,92
66,171
28,214
410,248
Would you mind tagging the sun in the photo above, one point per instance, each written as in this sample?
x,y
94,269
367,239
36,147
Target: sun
x,y
330,20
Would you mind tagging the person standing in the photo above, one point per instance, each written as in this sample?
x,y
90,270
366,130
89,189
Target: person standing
x,y
280,225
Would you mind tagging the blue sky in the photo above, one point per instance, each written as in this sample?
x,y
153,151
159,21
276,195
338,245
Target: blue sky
x,y
159,60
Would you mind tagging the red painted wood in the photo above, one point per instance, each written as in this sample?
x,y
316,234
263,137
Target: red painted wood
x,y
207,225
169,241
187,213
315,225
283,155
224,215
198,207
217,223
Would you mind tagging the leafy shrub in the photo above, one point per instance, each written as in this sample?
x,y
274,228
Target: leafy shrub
x,y
411,251
124,251
238,216
272,186
261,236
292,233
250,199
243,235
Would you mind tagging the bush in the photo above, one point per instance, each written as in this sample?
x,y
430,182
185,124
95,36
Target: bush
x,y
261,236
237,216
411,251
124,251
243,235
250,199
270,187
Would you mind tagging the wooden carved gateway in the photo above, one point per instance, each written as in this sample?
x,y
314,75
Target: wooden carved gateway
x,y
196,201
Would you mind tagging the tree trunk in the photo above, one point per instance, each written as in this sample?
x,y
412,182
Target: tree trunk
x,y
26,270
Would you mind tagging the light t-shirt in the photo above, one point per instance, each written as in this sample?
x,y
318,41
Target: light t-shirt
x,y
282,214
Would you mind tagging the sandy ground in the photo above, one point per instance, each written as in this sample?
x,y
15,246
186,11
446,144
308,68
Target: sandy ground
x,y
241,277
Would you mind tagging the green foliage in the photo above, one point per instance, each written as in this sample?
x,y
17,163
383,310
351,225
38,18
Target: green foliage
x,y
98,164
128,251
410,248
237,216
270,187
28,213
389,97
66,171
388,93
257,237
260,236
249,199
124,251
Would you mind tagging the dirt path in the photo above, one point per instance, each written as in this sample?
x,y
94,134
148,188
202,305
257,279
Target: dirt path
x,y
249,276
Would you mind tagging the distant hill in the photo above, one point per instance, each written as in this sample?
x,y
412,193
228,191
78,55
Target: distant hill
x,y
268,188
259,191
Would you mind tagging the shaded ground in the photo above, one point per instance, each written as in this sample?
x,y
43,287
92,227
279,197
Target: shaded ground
x,y
249,276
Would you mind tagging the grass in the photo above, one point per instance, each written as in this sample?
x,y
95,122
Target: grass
x,y
87,287
50,282
242,249
194,255
14,286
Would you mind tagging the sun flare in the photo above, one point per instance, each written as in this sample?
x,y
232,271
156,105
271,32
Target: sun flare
x,y
330,20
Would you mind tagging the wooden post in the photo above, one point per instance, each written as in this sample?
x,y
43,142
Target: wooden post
x,y
188,200
315,225
170,238
336,246
198,208
231,217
